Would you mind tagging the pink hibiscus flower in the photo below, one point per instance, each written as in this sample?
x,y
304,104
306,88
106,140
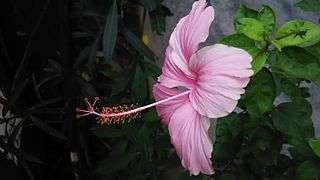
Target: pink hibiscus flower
x,y
195,85
209,80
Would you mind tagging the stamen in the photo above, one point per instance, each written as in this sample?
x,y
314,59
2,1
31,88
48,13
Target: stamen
x,y
119,114
120,118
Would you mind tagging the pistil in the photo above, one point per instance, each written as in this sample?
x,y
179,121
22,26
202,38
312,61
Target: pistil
x,y
118,114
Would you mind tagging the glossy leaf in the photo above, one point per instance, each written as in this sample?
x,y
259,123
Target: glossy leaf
x,y
296,62
292,90
259,59
297,33
268,18
254,24
260,94
239,41
252,28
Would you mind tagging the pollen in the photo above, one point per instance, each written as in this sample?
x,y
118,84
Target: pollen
x,y
117,115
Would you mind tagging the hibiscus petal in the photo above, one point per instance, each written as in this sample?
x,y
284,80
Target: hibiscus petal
x,y
192,30
165,110
172,75
189,135
222,73
184,41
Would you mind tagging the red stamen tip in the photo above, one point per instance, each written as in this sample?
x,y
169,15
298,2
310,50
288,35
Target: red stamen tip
x,y
97,98
77,109
78,116
85,99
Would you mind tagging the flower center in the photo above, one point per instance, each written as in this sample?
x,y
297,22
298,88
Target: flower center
x,y
119,114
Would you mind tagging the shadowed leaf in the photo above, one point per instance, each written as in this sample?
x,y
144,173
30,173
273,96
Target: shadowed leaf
x,y
110,31
47,129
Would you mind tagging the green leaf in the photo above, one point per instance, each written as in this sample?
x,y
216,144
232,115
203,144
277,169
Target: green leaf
x,y
292,90
252,28
294,120
308,170
239,41
254,24
315,145
158,22
297,33
295,62
158,19
260,94
110,31
268,18
139,85
259,59
107,132
245,12
315,50
263,138
137,43
144,139
151,68
227,137
309,5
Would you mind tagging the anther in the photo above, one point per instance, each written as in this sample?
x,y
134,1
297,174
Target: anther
x,y
116,115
